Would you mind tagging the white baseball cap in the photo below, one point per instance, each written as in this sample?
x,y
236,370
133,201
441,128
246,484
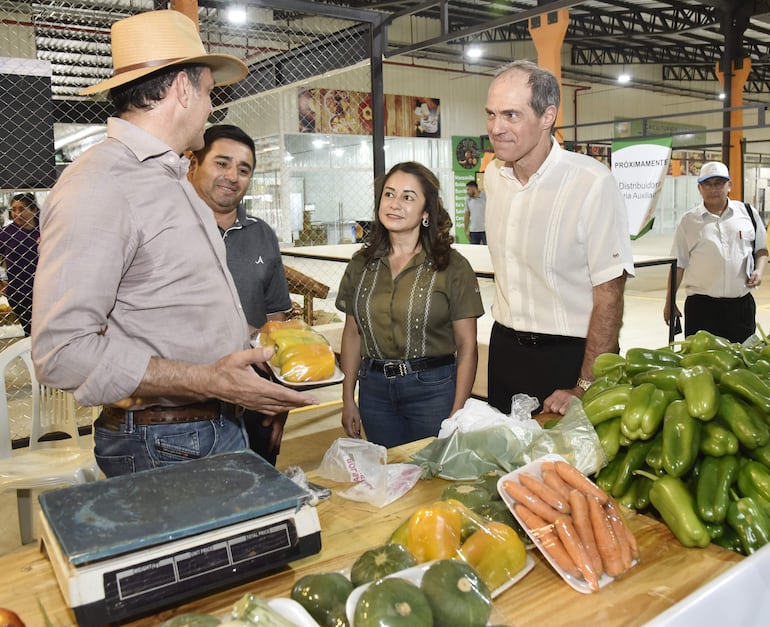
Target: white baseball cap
x,y
713,169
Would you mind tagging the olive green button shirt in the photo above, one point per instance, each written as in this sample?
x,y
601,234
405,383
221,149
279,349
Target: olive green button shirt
x,y
412,315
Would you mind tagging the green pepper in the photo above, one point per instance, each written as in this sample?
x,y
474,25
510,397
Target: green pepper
x,y
644,412
715,361
703,340
654,458
749,386
748,356
673,501
633,460
754,481
628,499
605,478
729,540
762,455
715,478
750,522
716,530
642,359
681,439
764,352
700,392
744,421
717,440
663,378
643,486
607,404
609,437
761,367
610,365
597,386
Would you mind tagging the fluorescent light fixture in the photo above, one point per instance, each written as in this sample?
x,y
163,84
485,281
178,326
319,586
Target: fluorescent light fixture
x,y
722,96
474,52
624,78
236,15
338,152
319,143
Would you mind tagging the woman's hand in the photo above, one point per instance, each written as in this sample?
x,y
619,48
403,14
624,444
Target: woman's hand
x,y
351,420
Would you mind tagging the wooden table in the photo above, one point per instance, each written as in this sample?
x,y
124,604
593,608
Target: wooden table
x,y
667,572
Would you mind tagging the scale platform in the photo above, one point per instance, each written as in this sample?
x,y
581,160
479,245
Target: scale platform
x,y
130,545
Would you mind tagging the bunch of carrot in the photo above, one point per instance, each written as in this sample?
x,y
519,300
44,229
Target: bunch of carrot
x,y
577,523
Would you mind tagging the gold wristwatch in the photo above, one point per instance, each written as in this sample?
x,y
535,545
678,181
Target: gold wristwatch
x,y
583,384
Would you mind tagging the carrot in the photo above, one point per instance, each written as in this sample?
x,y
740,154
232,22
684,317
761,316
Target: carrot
x,y
544,492
518,492
628,546
606,542
554,481
581,518
573,477
544,532
571,541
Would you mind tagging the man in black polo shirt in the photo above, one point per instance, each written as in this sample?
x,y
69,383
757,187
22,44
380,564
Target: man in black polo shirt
x,y
221,172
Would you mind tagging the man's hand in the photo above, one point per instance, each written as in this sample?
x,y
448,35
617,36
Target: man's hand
x,y
559,400
233,379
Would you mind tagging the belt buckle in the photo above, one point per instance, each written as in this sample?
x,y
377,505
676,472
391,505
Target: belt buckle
x,y
393,369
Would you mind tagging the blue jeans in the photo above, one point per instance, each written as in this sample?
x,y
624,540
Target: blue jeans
x,y
403,409
131,448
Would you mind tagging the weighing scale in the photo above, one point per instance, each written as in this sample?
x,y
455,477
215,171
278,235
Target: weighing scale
x,y
132,544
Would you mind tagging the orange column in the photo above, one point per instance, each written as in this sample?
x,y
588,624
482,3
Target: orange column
x,y
188,8
548,31
737,81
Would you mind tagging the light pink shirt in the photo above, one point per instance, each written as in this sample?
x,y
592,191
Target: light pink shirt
x,y
131,266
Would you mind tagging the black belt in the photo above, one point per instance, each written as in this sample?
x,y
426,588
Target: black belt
x,y
527,338
157,415
392,368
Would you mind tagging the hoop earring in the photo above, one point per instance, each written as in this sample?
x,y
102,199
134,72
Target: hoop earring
x,y
425,222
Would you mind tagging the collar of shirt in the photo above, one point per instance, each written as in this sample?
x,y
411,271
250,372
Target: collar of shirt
x,y
553,157
704,213
145,145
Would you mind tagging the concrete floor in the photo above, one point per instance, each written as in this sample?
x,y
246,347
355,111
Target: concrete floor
x,y
643,326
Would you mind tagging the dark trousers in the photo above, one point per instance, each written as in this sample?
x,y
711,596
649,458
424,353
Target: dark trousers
x,y
259,435
530,363
731,318
478,237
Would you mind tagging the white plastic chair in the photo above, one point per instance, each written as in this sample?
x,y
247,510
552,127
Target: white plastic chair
x,y
47,462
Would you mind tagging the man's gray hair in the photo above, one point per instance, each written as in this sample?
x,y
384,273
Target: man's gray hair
x,y
544,84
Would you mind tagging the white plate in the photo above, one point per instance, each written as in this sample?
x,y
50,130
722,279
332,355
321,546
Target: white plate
x,y
337,377
415,573
534,469
293,611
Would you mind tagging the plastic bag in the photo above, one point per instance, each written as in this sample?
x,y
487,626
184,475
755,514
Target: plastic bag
x,y
507,442
365,464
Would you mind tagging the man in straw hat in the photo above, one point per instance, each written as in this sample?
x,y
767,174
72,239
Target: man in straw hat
x,y
720,247
134,306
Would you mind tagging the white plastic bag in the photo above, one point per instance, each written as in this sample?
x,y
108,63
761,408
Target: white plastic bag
x,y
365,464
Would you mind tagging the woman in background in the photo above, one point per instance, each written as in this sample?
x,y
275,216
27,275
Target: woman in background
x,y
18,246
411,304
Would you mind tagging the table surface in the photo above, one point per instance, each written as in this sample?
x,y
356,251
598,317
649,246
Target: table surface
x,y
667,571
477,256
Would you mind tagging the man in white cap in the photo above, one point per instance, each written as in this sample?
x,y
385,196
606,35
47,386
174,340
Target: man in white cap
x,y
721,252
134,306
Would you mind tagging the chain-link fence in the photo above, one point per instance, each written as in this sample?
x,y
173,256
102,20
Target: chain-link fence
x,y
305,102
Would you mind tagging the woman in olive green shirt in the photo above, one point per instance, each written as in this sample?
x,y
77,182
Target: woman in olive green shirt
x,y
411,304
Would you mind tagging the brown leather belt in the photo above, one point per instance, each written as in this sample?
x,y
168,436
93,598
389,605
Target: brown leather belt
x,y
156,415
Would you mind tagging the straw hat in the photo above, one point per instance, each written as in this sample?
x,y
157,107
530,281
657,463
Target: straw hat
x,y
150,41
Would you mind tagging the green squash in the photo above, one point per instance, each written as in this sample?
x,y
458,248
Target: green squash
x,y
469,494
489,481
393,602
379,562
456,594
497,511
323,595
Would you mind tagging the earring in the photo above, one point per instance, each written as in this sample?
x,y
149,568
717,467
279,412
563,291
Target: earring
x,y
425,222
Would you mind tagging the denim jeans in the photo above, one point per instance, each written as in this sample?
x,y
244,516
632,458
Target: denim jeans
x,y
403,409
131,448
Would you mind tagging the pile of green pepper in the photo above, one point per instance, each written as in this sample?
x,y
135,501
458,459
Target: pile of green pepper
x,y
686,430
